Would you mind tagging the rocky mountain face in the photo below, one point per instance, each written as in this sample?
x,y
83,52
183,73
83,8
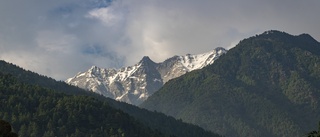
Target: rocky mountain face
x,y
134,84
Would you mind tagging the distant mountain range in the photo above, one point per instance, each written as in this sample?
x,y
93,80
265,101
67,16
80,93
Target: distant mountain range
x,y
134,84
38,106
268,85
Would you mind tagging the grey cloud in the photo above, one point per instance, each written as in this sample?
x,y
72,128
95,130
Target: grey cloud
x,y
61,38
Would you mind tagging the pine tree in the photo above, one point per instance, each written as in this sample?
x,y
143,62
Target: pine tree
x,y
6,129
315,133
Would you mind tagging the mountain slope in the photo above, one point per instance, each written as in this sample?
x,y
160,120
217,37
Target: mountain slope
x,y
35,111
41,106
136,83
268,85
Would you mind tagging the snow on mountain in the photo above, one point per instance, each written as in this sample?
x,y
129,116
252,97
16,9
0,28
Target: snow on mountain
x,y
193,62
134,84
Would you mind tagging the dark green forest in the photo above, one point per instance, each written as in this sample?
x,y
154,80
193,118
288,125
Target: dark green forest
x,y
36,105
36,111
268,85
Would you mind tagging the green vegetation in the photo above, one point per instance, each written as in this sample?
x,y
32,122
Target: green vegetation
x,y
36,111
161,122
40,106
28,77
268,85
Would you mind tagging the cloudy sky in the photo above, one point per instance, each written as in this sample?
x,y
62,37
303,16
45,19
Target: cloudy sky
x,y
59,38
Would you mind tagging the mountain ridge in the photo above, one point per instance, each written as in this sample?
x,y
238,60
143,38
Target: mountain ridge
x,y
134,84
37,105
265,86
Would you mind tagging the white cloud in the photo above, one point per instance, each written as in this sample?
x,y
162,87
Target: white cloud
x,y
105,15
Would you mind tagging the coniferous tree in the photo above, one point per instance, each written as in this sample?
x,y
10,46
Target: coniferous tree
x,y
6,129
315,133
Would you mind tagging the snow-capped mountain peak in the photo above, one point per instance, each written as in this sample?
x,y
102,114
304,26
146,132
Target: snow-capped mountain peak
x,y
134,84
193,62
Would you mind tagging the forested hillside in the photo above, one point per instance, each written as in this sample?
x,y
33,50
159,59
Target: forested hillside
x,y
268,85
36,111
28,77
40,106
